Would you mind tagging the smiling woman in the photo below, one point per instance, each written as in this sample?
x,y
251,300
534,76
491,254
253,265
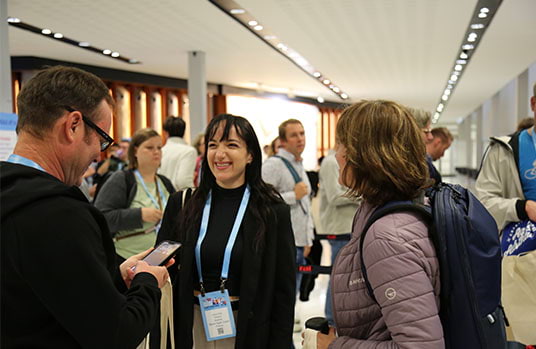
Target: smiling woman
x,y
234,219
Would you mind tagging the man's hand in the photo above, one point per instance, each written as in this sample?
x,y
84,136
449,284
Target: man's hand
x,y
128,274
530,208
300,189
150,215
306,251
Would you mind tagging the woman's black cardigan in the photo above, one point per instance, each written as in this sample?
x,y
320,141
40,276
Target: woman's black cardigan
x,y
268,281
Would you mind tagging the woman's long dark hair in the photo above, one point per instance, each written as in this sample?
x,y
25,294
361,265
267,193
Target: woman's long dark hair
x,y
262,194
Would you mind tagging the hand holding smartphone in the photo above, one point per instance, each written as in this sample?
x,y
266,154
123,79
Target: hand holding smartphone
x,y
161,254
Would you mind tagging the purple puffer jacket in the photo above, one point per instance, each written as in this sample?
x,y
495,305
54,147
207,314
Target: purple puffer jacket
x,y
404,273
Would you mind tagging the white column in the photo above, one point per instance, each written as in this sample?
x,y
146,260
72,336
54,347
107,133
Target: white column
x,y
6,98
197,92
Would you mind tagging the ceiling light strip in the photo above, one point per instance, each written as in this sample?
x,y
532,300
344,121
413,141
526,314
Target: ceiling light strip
x,y
16,22
235,11
484,12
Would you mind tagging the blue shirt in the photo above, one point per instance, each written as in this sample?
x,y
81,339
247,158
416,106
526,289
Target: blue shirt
x,y
527,165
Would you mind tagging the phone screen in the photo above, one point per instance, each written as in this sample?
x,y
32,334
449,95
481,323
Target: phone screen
x,y
162,253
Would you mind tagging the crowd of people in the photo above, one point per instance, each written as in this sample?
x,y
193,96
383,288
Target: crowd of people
x,y
73,273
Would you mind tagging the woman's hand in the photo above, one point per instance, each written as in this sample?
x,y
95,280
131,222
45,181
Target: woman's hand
x,y
324,340
150,215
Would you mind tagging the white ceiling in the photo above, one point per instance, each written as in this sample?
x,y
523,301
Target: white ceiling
x,y
394,49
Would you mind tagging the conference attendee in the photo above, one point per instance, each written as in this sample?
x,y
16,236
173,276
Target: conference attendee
x,y
435,149
403,269
237,238
336,213
286,173
178,158
60,284
133,200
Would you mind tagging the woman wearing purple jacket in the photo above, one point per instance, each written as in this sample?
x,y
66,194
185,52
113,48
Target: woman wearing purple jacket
x,y
382,159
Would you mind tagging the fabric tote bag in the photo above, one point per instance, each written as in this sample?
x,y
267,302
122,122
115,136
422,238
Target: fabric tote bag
x,y
519,296
166,319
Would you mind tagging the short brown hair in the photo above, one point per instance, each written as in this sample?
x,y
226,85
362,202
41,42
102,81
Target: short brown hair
x,y
385,151
283,127
42,100
443,133
139,137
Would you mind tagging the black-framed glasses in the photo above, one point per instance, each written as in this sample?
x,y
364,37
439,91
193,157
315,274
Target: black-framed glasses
x,y
107,140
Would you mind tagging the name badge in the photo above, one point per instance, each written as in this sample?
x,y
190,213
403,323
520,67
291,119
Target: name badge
x,y
217,315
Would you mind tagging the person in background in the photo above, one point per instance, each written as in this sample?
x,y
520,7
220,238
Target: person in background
x,y
261,271
133,200
398,253
506,186
424,120
336,213
286,173
60,284
178,158
116,161
435,149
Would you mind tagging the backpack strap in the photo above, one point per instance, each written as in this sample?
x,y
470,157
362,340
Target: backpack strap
x,y
390,207
130,181
291,168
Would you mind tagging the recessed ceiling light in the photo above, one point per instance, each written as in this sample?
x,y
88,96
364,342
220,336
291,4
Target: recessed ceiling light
x,y
269,37
237,11
115,54
133,61
447,92
106,52
436,115
84,44
453,77
13,20
336,89
461,61
440,107
477,26
482,15
320,99
468,47
464,55
282,46
253,23
58,35
316,74
484,10
46,31
450,87
258,27
344,95
326,81
445,97
458,67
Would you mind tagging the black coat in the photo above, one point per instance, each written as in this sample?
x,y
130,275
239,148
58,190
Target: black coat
x,y
60,287
268,281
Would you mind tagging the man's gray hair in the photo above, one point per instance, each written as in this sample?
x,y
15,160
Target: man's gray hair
x,y
422,117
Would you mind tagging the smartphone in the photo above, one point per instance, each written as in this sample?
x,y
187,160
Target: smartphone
x,y
162,253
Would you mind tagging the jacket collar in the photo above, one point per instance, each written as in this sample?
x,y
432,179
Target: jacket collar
x,y
176,140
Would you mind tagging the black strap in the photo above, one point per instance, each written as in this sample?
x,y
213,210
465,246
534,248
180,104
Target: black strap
x,y
391,207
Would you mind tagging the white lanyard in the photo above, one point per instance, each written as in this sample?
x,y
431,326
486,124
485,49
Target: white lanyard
x,y
159,189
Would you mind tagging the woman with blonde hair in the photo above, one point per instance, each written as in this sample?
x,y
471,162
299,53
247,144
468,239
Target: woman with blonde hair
x,y
382,159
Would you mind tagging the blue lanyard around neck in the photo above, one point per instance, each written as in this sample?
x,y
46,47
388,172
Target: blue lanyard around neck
x,y
230,242
17,159
149,194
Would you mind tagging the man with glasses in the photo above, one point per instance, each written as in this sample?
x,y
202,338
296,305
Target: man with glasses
x,y
424,121
60,286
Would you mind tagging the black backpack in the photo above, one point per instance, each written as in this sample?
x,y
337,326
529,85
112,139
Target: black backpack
x,y
467,245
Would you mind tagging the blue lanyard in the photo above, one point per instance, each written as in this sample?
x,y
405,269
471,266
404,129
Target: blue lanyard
x,y
230,242
149,194
17,159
